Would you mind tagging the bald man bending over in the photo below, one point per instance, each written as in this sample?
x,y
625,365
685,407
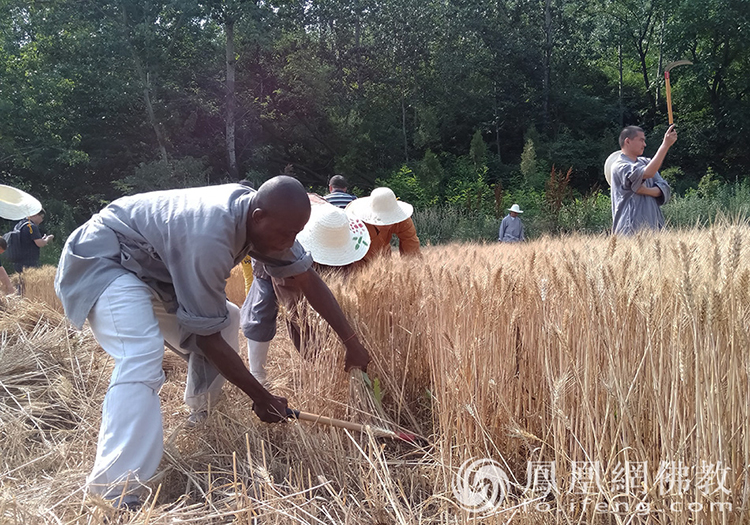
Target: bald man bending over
x,y
150,270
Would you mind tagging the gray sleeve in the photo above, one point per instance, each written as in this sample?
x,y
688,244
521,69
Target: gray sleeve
x,y
259,311
502,231
666,191
632,176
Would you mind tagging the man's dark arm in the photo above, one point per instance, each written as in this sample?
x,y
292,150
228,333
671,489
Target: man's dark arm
x,y
323,301
268,407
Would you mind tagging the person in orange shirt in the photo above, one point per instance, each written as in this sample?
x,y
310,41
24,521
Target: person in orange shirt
x,y
385,216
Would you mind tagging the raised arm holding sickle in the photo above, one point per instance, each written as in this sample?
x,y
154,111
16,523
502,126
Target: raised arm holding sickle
x,y
670,137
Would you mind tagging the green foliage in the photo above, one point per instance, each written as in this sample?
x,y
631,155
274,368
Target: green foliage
x,y
431,175
427,131
93,93
530,168
154,176
478,150
406,185
472,192
674,177
442,224
377,391
696,208
589,214
708,186
59,221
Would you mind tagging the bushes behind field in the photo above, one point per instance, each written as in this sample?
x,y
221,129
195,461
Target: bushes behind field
x,y
578,214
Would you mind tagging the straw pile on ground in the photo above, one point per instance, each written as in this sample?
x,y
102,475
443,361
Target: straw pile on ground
x,y
38,283
580,351
233,468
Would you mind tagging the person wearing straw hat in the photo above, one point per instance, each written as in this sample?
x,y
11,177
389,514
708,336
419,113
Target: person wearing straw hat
x,y
27,210
334,240
638,190
130,271
385,216
511,228
16,204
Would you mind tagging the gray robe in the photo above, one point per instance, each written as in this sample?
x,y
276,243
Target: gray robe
x,y
632,212
182,243
511,230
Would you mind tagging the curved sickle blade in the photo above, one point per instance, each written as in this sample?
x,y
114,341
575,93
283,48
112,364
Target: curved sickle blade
x,y
669,87
676,63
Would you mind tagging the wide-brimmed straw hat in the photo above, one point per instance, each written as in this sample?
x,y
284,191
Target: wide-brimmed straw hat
x,y
609,164
381,208
515,208
16,204
333,238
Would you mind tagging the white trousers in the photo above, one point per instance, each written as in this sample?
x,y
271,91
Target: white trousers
x,y
130,323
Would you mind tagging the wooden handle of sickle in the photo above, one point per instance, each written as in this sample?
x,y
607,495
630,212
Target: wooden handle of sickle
x,y
314,418
356,427
669,97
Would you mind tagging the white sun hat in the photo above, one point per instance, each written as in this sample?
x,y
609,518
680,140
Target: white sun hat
x,y
515,208
608,164
16,204
332,238
381,208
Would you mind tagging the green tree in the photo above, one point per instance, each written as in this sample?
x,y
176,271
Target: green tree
x,y
529,165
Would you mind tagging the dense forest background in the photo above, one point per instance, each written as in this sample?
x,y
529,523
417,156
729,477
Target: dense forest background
x,y
470,104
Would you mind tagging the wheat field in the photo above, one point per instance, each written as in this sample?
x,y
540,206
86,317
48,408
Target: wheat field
x,y
606,377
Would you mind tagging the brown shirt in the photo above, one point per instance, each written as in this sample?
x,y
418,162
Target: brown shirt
x,y
380,239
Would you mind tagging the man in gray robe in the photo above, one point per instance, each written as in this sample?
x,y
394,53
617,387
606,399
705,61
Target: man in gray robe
x,y
511,227
638,191
151,269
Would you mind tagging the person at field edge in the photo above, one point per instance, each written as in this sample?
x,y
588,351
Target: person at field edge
x,y
337,195
334,241
128,272
638,190
385,216
7,286
17,205
511,227
32,241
